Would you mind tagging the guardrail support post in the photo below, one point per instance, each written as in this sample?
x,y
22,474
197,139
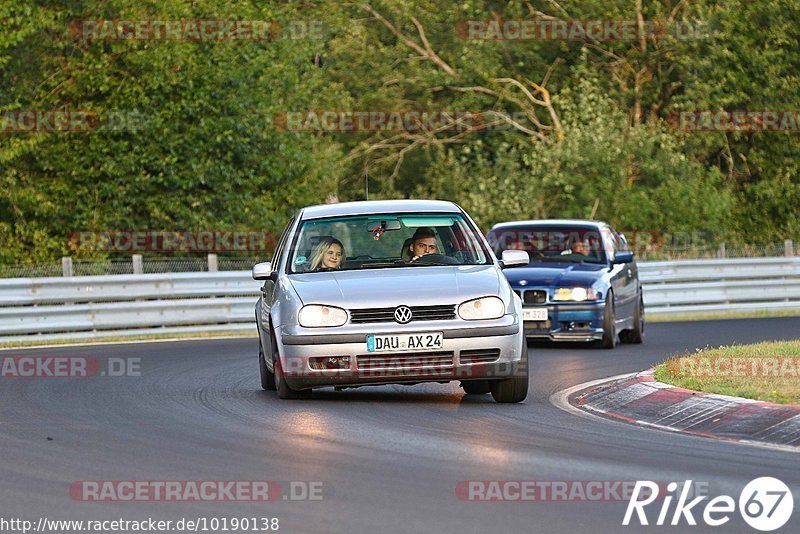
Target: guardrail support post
x,y
721,253
788,248
138,266
212,263
66,266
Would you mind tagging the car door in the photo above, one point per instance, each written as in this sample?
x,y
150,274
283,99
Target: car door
x,y
625,287
268,290
616,276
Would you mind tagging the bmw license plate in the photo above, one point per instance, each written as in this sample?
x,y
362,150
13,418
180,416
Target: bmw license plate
x,y
423,341
534,314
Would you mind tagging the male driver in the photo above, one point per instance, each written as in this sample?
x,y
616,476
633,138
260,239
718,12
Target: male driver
x,y
422,242
579,247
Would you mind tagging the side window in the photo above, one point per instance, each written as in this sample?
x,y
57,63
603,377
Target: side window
x,y
610,242
622,243
277,258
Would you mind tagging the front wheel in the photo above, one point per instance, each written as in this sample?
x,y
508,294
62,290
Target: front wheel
x,y
284,390
267,378
513,389
635,334
609,340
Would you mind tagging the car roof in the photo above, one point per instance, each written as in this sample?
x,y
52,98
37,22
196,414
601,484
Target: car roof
x,y
551,222
369,207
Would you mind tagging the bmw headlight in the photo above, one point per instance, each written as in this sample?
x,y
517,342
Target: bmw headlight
x,y
574,294
483,308
315,316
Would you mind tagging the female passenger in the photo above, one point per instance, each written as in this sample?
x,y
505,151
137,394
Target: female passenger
x,y
327,254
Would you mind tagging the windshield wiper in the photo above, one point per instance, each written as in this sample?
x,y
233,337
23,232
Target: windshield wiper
x,y
564,259
423,262
567,259
403,263
382,264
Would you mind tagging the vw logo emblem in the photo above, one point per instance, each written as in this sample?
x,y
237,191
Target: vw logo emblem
x,y
402,314
523,282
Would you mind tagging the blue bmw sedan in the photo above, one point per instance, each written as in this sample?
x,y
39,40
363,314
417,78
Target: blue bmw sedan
x,y
581,284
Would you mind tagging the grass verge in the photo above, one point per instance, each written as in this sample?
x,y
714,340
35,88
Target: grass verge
x,y
706,316
768,371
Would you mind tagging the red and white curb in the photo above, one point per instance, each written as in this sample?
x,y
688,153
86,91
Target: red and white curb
x,y
641,400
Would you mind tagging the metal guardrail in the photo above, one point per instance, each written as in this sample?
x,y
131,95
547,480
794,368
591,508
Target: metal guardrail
x,y
697,286
101,306
125,287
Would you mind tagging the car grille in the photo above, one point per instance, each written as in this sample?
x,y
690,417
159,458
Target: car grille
x,y
418,313
405,362
534,296
479,356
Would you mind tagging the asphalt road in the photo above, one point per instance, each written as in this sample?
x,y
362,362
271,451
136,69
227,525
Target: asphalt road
x,y
388,458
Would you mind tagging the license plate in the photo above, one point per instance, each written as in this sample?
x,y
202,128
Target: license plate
x,y
424,341
534,314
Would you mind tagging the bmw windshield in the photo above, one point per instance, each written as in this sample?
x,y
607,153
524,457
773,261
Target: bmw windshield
x,y
568,244
386,241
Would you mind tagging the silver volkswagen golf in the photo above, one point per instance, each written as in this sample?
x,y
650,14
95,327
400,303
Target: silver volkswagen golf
x,y
389,292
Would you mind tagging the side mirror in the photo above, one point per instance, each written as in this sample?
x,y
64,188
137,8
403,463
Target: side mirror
x,y
262,271
511,258
623,257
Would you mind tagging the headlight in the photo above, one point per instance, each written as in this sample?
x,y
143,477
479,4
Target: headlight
x,y
576,294
483,308
314,316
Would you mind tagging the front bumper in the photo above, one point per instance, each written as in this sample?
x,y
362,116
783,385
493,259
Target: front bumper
x,y
467,353
568,321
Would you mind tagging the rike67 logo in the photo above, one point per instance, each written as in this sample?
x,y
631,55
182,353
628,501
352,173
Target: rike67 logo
x,y
765,504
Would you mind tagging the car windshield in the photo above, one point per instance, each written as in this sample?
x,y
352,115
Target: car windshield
x,y
385,241
570,244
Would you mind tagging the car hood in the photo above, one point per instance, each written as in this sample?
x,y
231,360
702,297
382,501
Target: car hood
x,y
414,286
556,274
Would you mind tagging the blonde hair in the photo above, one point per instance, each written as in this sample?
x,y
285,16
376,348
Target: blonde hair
x,y
319,251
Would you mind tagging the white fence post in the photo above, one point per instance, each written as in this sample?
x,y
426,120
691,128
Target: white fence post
x,y
212,263
66,266
788,248
138,266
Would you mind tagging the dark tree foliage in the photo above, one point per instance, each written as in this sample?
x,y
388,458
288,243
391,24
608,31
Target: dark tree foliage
x,y
191,135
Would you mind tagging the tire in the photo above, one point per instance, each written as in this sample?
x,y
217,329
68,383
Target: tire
x,y
636,334
476,387
609,340
267,378
513,389
283,389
